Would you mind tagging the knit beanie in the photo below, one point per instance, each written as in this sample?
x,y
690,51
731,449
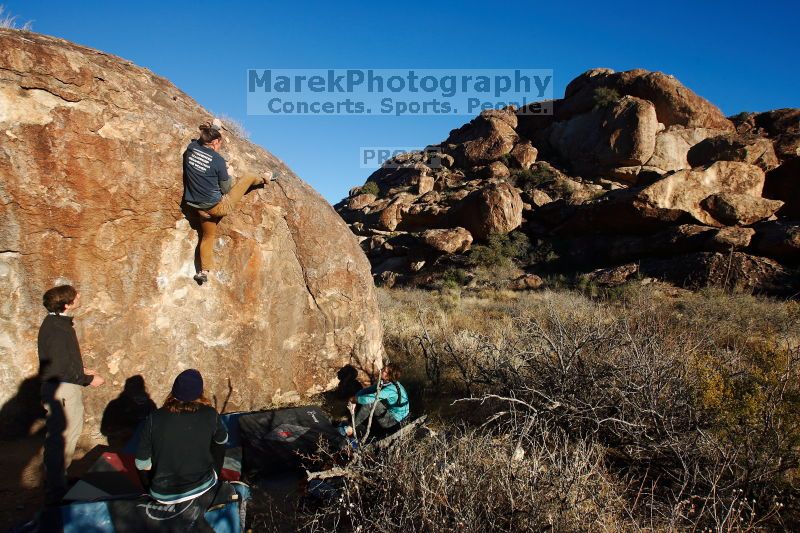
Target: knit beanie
x,y
188,386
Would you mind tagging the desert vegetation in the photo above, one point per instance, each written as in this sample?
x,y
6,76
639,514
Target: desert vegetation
x,y
370,187
650,408
11,22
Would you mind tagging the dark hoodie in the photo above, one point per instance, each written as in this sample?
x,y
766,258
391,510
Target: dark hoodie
x,y
59,353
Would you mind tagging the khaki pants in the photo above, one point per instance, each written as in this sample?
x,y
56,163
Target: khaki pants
x,y
223,208
64,425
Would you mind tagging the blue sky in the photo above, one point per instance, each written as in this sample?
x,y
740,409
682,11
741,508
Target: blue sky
x,y
739,55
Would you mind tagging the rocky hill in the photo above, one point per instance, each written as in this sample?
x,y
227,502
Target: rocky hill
x,y
90,159
630,174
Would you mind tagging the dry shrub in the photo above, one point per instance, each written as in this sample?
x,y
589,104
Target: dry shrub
x,y
8,21
693,398
234,126
520,479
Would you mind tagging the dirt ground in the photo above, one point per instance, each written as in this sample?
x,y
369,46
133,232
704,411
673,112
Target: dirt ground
x,y
21,492
20,479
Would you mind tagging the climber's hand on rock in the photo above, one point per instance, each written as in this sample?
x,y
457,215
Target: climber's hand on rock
x,y
96,380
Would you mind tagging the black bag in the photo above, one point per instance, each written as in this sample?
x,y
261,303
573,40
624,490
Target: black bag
x,y
279,440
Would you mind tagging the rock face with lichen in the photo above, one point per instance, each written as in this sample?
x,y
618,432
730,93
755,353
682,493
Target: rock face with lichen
x,y
90,190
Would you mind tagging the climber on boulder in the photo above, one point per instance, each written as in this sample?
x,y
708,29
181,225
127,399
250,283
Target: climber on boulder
x,y
208,190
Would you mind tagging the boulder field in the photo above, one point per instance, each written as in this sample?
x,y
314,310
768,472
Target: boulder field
x,y
90,193
629,173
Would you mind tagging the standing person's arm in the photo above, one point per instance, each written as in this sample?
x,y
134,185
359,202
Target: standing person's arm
x,y
218,442
45,358
144,453
73,350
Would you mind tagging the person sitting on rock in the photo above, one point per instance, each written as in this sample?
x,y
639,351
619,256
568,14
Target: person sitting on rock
x,y
182,445
208,190
390,405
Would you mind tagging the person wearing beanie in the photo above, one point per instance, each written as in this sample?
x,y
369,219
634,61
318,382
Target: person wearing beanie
x,y
182,444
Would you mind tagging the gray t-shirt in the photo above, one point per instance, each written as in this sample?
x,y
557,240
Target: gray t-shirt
x,y
205,176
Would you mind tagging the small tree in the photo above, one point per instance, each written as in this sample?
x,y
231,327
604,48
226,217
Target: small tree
x,y
500,249
605,97
370,187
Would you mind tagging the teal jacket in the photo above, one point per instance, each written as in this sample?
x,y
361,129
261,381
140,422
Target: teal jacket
x,y
392,393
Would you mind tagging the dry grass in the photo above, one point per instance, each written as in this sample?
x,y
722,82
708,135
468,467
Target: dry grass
x,y
233,125
477,481
653,409
9,22
665,409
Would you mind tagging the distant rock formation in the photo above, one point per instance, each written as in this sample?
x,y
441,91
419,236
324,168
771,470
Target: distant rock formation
x,y
628,166
90,159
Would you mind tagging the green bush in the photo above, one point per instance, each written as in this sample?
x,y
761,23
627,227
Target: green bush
x,y
740,117
534,177
605,97
499,250
454,278
507,160
370,187
542,253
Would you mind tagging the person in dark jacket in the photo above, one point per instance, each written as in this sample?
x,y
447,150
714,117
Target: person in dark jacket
x,y
208,190
63,377
182,444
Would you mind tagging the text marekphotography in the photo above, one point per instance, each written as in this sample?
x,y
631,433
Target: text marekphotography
x,y
396,92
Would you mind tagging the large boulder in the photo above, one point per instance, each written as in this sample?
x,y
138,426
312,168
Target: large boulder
x,y
779,240
486,138
683,192
496,209
672,147
732,270
734,209
523,155
610,249
448,241
619,135
783,183
674,199
782,126
674,103
729,147
90,155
